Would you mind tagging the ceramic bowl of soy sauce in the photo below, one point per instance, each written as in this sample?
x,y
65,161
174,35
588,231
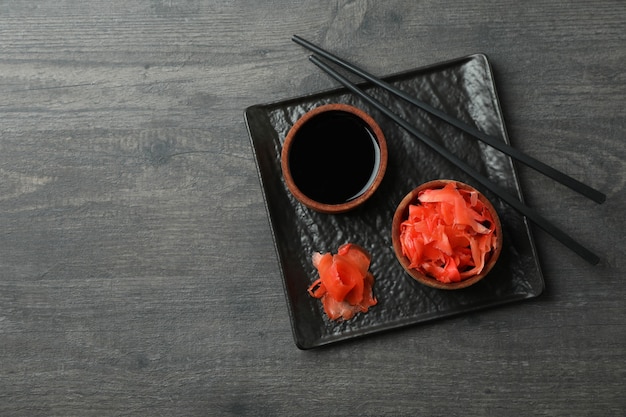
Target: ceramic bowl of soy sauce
x,y
334,158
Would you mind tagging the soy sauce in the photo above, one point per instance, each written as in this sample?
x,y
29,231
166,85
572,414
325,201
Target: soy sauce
x,y
334,158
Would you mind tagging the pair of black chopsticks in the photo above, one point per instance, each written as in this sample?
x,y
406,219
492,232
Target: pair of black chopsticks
x,y
494,142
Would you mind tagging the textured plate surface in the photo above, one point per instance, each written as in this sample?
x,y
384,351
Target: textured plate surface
x,y
464,88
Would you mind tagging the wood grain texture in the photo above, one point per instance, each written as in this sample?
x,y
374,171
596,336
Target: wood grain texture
x,y
137,269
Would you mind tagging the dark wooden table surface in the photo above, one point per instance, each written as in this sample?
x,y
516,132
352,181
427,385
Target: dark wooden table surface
x,y
137,269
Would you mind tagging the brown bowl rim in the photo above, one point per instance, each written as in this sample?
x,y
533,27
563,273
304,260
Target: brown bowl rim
x,y
352,204
401,214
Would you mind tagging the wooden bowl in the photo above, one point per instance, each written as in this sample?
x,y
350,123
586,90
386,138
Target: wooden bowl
x,y
334,158
401,215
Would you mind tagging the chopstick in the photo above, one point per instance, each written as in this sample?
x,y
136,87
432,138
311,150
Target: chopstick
x,y
535,217
547,170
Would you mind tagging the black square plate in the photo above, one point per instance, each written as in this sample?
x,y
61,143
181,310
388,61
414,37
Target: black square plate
x,y
463,88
